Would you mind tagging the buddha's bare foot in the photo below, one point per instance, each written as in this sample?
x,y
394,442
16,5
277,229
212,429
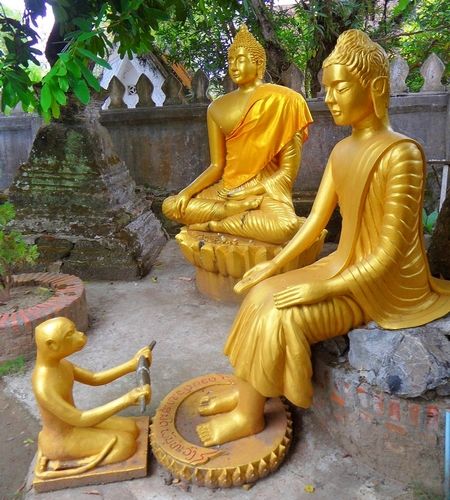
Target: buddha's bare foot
x,y
233,425
233,207
218,403
212,226
203,226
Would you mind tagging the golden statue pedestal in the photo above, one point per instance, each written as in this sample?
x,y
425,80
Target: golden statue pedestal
x,y
177,447
221,260
133,468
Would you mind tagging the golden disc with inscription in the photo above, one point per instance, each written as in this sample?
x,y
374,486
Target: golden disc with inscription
x,y
177,447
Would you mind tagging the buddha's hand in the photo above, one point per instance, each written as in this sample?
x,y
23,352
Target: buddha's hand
x,y
134,396
305,293
237,194
242,193
146,352
181,203
255,275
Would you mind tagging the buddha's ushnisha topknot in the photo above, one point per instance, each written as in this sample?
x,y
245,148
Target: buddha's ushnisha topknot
x,y
363,57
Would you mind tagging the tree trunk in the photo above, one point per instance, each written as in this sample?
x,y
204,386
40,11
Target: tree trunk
x,y
277,58
438,253
5,292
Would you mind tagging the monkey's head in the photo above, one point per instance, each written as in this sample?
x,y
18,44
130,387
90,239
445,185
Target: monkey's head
x,y
58,338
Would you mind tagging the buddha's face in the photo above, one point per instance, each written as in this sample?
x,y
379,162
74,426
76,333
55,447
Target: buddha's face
x,y
348,101
241,67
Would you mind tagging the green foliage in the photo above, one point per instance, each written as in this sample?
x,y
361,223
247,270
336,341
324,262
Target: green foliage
x,y
197,34
86,31
423,28
308,31
429,220
201,41
14,251
16,365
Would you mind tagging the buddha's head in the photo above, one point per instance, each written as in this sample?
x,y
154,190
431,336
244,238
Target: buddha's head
x,y
246,58
356,77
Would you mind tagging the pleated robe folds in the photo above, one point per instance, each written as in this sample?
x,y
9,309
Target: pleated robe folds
x,y
380,256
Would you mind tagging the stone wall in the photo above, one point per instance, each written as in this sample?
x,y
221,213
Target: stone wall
x,y
166,147
399,437
17,133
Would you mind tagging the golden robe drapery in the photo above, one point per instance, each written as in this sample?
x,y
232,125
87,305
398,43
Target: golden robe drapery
x,y
273,115
263,149
380,257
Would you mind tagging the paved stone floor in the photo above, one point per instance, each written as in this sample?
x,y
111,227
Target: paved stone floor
x,y
190,331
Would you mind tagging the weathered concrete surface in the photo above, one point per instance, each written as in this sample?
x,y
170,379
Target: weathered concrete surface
x,y
76,200
18,433
190,332
407,362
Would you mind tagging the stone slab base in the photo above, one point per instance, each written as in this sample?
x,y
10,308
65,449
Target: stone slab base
x,y
400,438
134,467
17,328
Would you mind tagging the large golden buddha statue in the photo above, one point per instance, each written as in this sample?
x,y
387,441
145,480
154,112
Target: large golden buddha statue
x,y
378,272
255,137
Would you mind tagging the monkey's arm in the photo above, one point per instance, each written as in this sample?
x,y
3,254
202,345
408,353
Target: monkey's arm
x,y
53,403
107,376
104,377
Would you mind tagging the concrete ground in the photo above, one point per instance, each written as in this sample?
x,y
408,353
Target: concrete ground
x,y
190,331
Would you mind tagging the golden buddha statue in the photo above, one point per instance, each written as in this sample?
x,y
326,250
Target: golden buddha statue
x,y
378,272
239,211
81,438
255,137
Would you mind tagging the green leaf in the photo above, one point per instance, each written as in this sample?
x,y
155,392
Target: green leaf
x,y
61,69
46,115
7,213
81,91
56,112
90,79
60,97
46,97
63,84
432,218
90,55
86,36
64,56
74,67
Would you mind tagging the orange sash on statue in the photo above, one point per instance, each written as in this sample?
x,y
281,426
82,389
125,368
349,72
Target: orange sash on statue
x,y
274,114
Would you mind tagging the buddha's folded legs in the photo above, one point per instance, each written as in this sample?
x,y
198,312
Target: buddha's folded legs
x,y
201,210
270,351
275,227
270,348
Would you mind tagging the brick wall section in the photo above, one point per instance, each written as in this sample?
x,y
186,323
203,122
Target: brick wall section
x,y
17,328
401,438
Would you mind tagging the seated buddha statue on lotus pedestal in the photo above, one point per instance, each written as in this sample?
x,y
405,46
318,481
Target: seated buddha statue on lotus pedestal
x,y
239,211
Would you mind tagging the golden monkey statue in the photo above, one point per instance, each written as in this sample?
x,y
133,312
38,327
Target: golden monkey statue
x,y
255,137
82,438
378,272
